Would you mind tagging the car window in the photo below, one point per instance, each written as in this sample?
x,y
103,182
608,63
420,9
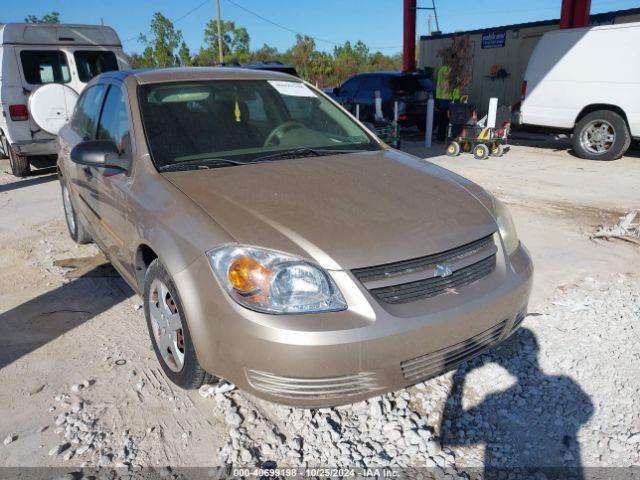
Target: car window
x,y
114,121
412,84
85,116
92,63
242,120
44,66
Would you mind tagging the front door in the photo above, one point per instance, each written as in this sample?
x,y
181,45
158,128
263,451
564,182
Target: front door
x,y
114,184
84,184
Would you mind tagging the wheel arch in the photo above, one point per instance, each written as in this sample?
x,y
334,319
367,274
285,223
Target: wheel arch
x,y
145,254
594,107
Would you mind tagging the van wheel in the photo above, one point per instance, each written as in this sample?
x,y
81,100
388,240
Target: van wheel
x,y
77,230
5,147
601,135
19,163
169,331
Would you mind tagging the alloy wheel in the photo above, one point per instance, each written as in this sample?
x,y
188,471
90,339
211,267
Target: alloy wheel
x,y
598,137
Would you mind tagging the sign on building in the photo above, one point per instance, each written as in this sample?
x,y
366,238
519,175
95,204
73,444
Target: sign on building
x,y
494,39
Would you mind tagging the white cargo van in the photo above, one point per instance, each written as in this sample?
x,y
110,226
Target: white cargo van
x,y
587,80
43,68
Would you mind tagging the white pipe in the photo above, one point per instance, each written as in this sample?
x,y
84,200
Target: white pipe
x,y
493,110
428,133
379,117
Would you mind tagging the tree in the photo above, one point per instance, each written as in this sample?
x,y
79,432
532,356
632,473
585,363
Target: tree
x,y
184,55
351,59
321,67
53,17
266,54
300,54
160,47
235,44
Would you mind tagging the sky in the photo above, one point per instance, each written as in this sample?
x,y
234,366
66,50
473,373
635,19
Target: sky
x,y
378,23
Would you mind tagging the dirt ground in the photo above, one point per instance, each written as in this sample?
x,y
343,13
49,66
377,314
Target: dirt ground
x,y
58,331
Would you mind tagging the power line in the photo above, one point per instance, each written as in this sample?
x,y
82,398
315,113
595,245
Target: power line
x,y
280,26
200,5
257,15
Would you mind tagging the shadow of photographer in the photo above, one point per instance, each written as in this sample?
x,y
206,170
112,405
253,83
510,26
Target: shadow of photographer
x,y
531,426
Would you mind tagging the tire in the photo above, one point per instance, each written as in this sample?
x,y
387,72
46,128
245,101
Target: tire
x,y
601,135
422,126
5,148
77,231
453,149
19,163
480,151
186,372
496,150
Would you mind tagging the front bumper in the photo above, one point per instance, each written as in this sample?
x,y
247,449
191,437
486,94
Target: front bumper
x,y
329,359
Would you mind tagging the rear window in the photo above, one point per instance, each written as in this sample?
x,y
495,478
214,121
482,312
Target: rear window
x,y
92,63
44,66
412,83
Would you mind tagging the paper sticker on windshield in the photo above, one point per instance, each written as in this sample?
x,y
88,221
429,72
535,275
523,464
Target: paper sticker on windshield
x,y
293,89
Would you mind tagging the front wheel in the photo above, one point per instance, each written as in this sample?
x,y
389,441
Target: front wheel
x,y
601,135
169,331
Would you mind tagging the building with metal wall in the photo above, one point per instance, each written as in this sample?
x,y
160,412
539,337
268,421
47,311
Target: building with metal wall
x,y
505,48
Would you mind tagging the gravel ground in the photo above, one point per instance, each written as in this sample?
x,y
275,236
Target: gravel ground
x,y
526,403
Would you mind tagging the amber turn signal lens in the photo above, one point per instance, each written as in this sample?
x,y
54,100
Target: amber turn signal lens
x,y
247,275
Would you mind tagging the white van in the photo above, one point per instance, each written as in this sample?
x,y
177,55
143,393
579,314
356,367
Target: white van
x,y
43,68
587,80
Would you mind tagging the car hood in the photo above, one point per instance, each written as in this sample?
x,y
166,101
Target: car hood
x,y
343,211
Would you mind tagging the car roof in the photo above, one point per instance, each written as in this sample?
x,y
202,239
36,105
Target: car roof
x,y
165,75
392,73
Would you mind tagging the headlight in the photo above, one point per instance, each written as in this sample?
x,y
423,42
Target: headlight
x,y
506,226
273,282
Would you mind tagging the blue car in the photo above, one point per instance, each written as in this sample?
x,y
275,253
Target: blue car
x,y
410,90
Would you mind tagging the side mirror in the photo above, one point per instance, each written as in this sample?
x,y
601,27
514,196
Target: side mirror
x,y
336,91
99,153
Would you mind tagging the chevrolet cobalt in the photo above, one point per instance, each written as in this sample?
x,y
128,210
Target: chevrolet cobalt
x,y
277,243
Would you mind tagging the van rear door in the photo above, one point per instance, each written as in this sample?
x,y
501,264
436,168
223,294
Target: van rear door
x,y
40,65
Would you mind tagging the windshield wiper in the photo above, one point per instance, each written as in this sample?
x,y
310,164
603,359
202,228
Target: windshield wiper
x,y
303,152
201,163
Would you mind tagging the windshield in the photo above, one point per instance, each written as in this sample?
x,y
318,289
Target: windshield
x,y
243,120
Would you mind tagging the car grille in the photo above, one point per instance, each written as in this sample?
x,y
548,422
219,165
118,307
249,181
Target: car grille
x,y
482,252
311,388
441,361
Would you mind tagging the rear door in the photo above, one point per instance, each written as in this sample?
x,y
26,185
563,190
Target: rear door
x,y
365,97
38,65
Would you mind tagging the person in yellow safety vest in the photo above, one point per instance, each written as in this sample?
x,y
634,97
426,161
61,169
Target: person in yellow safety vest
x,y
445,94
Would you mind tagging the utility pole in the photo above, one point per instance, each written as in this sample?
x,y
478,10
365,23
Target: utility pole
x,y
429,25
219,31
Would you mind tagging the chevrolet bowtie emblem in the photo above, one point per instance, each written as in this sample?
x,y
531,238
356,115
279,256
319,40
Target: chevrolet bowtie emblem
x,y
443,270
